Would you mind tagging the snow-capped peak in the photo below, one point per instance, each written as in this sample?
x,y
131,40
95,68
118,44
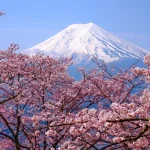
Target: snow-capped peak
x,y
87,39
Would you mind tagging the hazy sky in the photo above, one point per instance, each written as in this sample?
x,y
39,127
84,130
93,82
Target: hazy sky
x,y
28,22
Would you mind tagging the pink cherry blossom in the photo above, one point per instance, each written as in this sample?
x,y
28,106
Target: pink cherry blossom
x,y
42,107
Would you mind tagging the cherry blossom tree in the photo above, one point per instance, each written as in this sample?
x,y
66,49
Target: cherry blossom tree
x,y
42,107
110,114
26,84
2,13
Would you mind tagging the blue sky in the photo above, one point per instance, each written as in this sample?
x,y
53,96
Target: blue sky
x,y
32,21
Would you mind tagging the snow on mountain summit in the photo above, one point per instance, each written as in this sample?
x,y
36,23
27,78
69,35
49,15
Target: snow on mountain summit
x,y
87,39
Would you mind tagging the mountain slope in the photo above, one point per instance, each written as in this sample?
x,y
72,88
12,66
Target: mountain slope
x,y
80,40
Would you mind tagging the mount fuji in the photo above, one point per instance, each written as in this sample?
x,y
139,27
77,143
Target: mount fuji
x,y
82,40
